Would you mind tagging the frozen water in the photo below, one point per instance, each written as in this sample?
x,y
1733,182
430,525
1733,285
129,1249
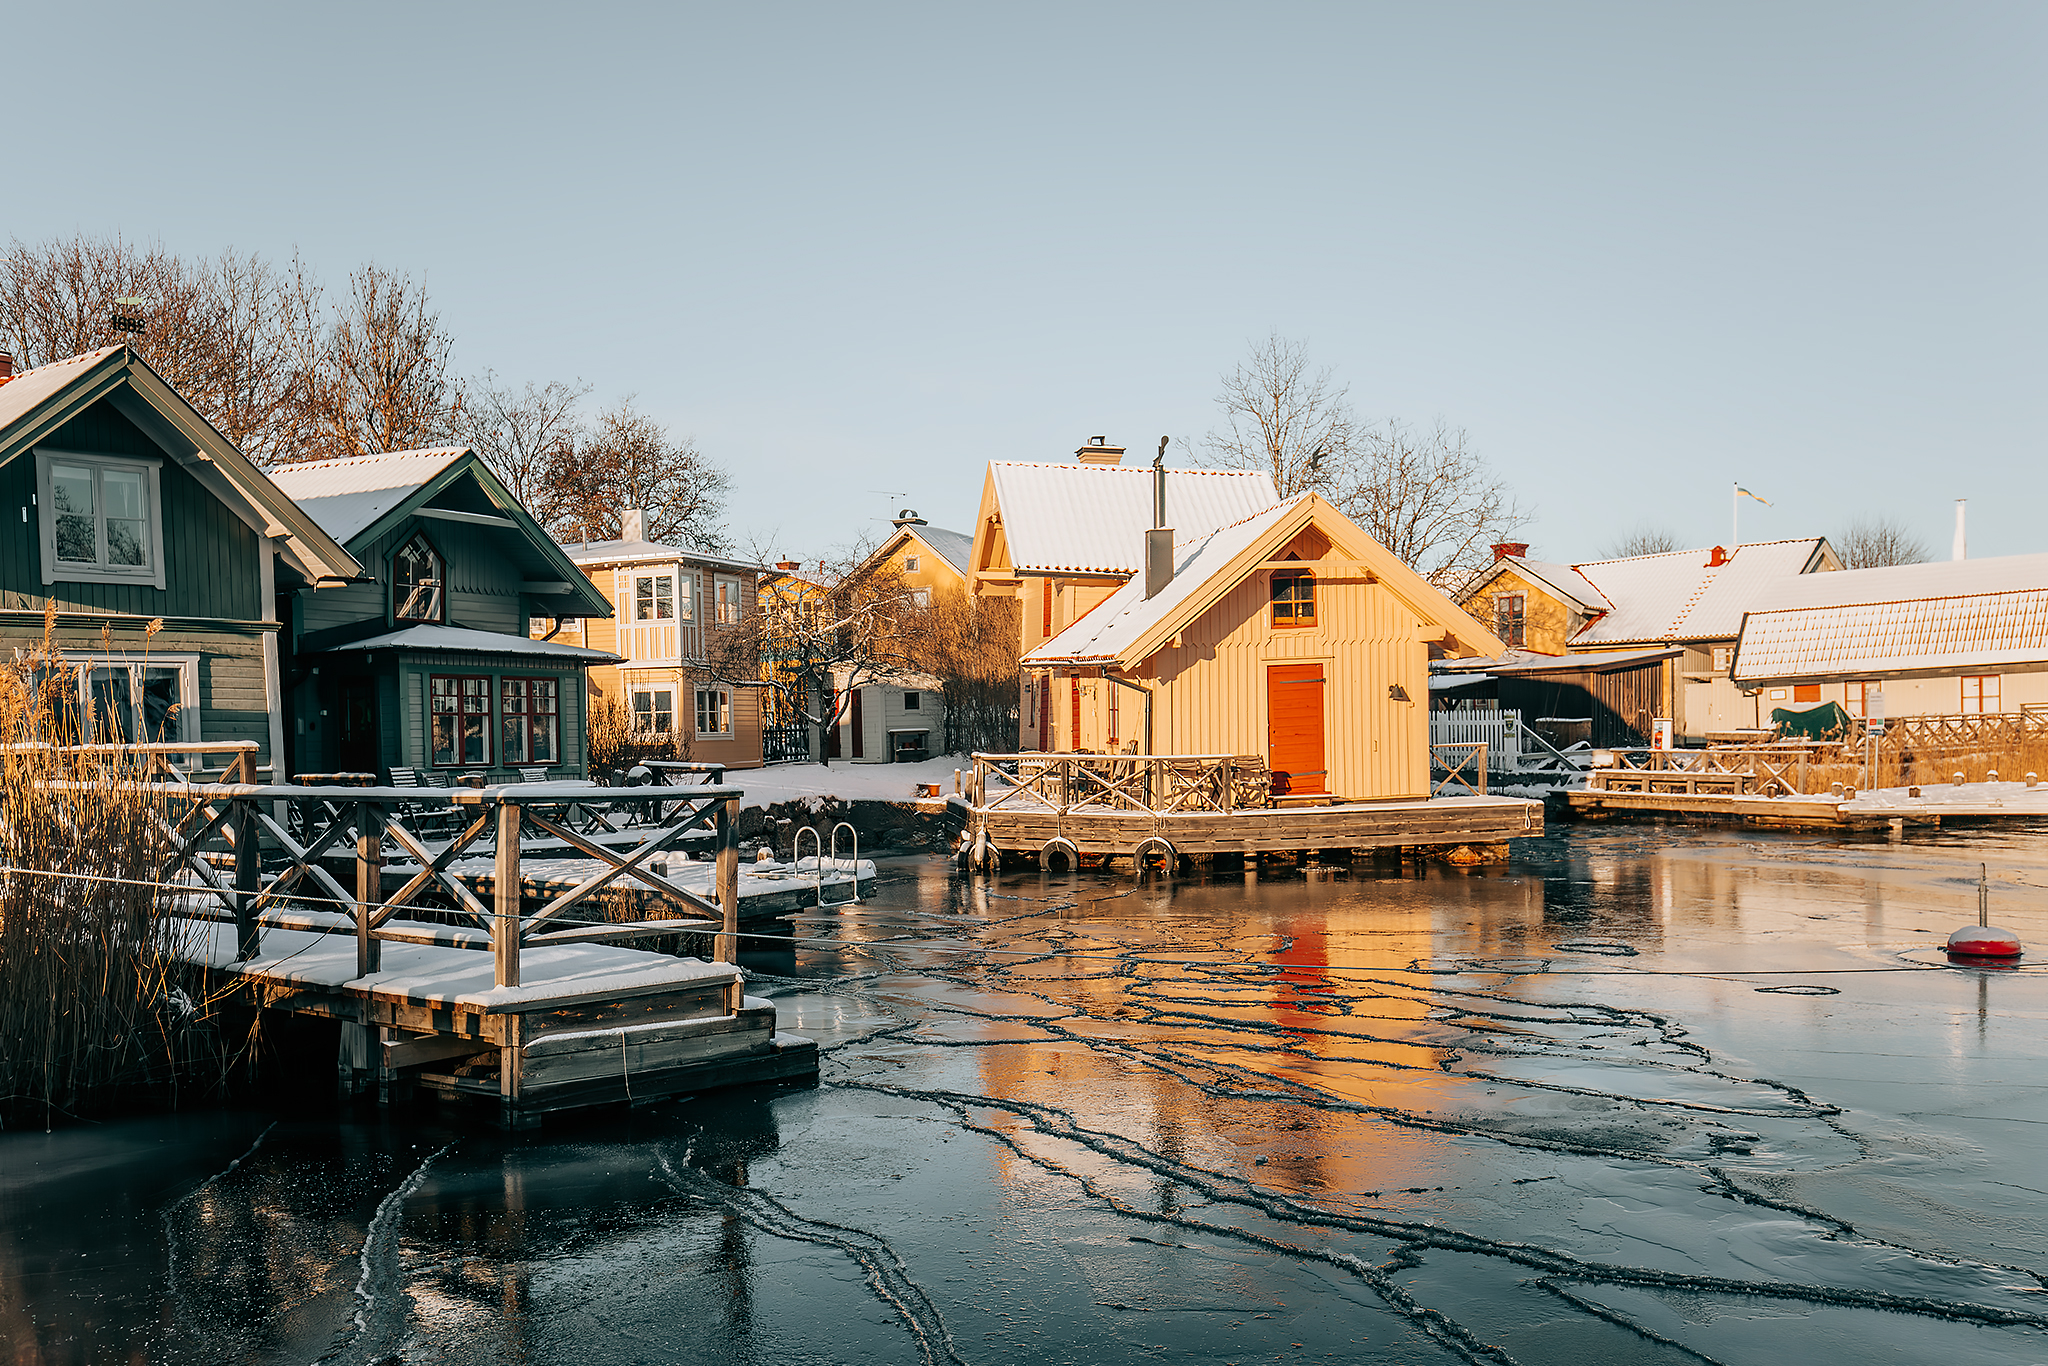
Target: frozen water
x,y
1637,1096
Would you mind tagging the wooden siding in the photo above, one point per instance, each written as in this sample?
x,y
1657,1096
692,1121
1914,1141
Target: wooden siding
x,y
484,588
1549,623
1212,688
231,701
211,564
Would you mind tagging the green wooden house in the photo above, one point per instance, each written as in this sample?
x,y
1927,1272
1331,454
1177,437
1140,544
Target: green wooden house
x,y
154,555
426,662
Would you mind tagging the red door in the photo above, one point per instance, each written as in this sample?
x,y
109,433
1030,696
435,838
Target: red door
x,y
1294,727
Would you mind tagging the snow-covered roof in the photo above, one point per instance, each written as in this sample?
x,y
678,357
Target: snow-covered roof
x,y
461,640
639,552
1091,519
1560,580
27,390
1121,619
1946,616
1681,595
348,495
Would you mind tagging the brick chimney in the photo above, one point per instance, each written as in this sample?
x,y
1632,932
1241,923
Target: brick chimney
x,y
1097,452
1718,557
1505,549
6,367
788,566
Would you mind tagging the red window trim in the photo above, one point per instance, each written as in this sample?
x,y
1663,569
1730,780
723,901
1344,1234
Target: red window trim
x,y
490,719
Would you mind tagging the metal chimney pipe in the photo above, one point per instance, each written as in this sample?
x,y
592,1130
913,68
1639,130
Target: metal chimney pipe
x,y
1962,546
1159,540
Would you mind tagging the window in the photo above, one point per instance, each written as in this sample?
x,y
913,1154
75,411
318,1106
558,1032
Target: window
x,y
1980,694
100,518
1806,692
1865,700
417,583
910,563
1294,600
654,597
113,701
921,597
529,720
714,711
911,701
1511,619
1724,658
460,706
654,710
728,601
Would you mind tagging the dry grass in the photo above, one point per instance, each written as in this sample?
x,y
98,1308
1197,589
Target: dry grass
x,y
91,999
1904,766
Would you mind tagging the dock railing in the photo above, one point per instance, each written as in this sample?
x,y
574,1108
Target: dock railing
x,y
1463,764
218,833
1720,770
1152,784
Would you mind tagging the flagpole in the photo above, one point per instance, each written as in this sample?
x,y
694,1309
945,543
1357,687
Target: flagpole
x,y
1734,516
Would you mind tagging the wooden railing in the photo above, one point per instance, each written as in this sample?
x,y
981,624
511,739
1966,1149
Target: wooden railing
x,y
1155,784
160,760
229,848
1463,764
1719,770
1498,728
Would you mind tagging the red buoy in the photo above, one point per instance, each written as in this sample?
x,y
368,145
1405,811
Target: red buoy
x,y
1983,939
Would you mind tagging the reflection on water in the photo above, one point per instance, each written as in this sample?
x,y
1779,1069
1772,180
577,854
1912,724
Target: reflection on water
x,y
1638,1096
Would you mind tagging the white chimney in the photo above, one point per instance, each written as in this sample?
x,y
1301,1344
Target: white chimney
x,y
633,524
1962,548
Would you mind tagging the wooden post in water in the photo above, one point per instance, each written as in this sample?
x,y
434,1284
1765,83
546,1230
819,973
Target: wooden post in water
x,y
505,889
248,882
369,883
728,828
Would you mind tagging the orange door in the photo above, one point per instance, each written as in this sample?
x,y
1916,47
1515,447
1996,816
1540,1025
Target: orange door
x,y
1294,727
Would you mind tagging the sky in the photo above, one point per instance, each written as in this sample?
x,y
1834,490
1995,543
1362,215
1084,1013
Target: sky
x,y
1638,252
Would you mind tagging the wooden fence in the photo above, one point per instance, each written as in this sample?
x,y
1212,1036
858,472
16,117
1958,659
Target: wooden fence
x,y
1497,728
1157,784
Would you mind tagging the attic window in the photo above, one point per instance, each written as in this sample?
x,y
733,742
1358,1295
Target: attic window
x,y
910,563
1511,619
101,519
418,581
1294,600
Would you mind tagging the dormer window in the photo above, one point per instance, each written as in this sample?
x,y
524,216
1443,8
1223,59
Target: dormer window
x,y
418,582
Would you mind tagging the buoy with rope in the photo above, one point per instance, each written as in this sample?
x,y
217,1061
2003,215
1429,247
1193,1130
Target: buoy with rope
x,y
1983,939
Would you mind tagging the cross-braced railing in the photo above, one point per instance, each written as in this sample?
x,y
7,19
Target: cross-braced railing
x,y
228,846
1154,784
1464,766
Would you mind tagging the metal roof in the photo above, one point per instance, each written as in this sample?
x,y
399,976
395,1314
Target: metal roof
x,y
1091,519
1561,579
640,552
1946,617
460,640
348,495
1681,596
21,395
955,547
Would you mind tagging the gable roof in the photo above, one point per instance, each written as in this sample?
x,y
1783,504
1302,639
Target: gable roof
x,y
1074,518
1941,617
1561,581
1127,627
359,497
35,403
954,547
1679,595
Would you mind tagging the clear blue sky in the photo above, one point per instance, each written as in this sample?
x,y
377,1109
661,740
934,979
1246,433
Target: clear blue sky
x,y
1639,251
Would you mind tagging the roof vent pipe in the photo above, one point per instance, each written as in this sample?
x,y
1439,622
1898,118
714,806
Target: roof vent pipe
x,y
1159,540
1962,546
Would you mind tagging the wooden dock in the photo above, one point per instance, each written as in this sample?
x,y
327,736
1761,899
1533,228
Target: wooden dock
x,y
529,1001
1071,807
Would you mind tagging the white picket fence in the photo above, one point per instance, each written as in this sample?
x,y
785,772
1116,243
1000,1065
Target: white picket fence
x,y
1499,730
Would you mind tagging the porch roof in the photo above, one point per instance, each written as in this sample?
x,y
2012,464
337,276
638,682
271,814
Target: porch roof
x,y
458,640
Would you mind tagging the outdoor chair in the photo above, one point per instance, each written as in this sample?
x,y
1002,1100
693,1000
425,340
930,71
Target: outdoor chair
x,y
427,818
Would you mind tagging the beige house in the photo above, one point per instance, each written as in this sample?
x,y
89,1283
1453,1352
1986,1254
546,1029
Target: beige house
x,y
1057,539
668,603
1950,638
1290,634
931,560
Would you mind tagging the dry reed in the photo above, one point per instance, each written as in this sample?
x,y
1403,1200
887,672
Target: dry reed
x,y
92,1000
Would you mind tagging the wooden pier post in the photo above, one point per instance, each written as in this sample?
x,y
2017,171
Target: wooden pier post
x,y
729,879
506,891
369,883
248,882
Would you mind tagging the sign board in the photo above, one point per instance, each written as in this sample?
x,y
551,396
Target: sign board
x,y
1660,733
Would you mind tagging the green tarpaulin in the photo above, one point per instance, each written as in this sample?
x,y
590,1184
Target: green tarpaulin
x,y
1827,722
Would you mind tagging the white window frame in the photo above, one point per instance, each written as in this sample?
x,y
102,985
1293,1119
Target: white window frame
x,y
910,564
657,580
187,666
74,571
729,603
633,694
723,706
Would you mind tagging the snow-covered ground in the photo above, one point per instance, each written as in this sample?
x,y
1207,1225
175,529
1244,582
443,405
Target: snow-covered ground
x,y
2017,798
850,781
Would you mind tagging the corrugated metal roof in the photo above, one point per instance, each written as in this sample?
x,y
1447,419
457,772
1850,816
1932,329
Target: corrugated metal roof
x,y
348,495
630,552
1680,596
1947,616
955,546
461,640
1564,580
1121,619
1091,519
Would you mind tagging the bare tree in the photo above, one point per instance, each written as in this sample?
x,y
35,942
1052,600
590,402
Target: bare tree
x,y
1642,541
1875,542
629,460
65,297
378,379
1428,497
524,435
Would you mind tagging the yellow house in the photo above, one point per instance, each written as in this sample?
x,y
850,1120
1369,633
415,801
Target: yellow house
x,y
1290,634
930,560
668,604
1059,538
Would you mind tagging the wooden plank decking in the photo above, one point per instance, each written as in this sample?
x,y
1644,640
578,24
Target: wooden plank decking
x,y
1267,830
